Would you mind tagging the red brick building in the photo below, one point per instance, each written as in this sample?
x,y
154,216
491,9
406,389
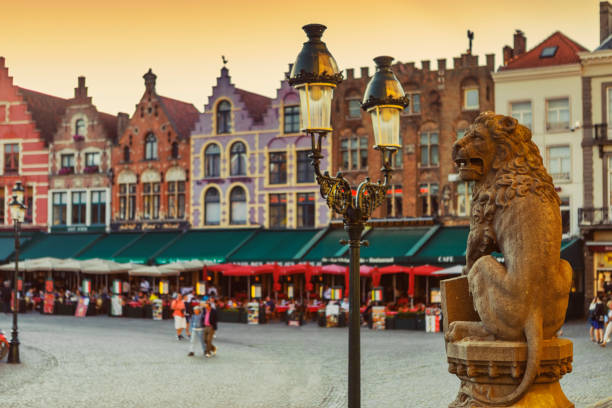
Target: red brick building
x,y
150,164
28,122
443,102
79,165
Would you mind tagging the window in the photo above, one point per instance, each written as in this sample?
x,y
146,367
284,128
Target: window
x,y
398,159
521,111
470,99
98,208
238,206
414,104
212,158
224,111
354,153
176,199
150,147
291,119
79,204
127,201
67,161
354,108
126,154
428,199
212,207
429,149
559,162
175,150
2,205
79,127
464,193
11,157
92,162
565,215
238,159
548,52
150,196
59,208
29,202
305,210
278,210
305,173
394,201
278,168
557,114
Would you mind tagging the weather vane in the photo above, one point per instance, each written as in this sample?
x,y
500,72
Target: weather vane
x,y
224,60
470,35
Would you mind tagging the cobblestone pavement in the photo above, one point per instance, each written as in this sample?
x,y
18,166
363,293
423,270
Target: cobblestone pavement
x,y
106,362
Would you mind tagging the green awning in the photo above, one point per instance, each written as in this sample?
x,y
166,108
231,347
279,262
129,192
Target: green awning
x,y
447,246
145,247
58,245
328,246
109,245
270,246
207,246
7,246
387,244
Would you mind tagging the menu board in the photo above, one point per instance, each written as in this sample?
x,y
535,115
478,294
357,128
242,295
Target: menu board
x,y
378,318
157,309
331,315
81,309
116,306
49,303
253,313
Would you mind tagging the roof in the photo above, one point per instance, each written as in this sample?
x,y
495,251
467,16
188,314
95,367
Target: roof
x,y
46,111
256,104
566,53
182,115
605,44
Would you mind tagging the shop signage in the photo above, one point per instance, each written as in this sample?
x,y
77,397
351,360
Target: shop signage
x,y
78,228
149,226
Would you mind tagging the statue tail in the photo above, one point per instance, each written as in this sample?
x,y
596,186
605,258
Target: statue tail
x,y
534,337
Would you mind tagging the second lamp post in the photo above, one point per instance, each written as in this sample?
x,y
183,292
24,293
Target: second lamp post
x,y
315,74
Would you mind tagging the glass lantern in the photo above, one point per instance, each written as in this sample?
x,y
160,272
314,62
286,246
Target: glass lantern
x,y
18,191
315,106
17,209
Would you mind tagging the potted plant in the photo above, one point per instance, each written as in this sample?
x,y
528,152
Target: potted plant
x,y
66,170
91,169
78,138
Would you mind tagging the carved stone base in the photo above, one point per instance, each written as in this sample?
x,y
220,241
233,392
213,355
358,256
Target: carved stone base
x,y
492,369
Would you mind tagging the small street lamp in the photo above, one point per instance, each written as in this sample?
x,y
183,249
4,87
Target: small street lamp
x,y
18,214
315,74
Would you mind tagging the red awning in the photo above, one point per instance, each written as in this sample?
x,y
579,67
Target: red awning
x,y
218,267
334,269
394,269
239,271
425,270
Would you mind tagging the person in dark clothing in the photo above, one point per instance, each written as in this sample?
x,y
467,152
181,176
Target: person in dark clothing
x,y
209,322
6,297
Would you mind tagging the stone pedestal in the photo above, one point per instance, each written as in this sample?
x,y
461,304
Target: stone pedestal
x,y
495,368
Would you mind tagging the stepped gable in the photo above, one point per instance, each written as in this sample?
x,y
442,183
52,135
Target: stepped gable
x,y
566,53
256,104
182,115
46,111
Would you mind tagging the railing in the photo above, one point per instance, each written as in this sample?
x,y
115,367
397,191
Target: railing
x,y
594,216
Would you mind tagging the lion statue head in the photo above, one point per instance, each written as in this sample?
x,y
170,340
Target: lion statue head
x,y
498,154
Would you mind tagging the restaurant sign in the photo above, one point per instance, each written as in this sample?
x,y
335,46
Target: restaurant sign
x,y
78,228
145,226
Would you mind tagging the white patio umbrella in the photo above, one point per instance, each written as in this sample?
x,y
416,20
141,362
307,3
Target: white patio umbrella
x,y
24,266
152,271
69,265
453,270
44,264
98,266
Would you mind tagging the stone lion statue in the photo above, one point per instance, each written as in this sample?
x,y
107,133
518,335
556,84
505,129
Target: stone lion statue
x,y
515,210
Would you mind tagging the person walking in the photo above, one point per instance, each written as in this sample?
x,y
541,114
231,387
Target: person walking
x,y
197,330
180,323
210,326
608,330
599,316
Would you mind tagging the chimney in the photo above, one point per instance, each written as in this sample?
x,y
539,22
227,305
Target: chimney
x,y
442,64
490,61
507,52
2,62
425,65
520,43
150,78
122,123
350,73
365,72
80,91
605,20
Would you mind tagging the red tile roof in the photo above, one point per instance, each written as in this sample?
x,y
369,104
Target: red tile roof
x,y
567,53
46,110
182,115
256,104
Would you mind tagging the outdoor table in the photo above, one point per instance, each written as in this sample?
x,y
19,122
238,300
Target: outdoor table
x,y
312,311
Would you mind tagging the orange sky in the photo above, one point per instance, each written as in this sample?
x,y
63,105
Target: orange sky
x,y
113,43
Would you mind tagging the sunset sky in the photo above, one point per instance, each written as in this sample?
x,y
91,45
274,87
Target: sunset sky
x,y
47,44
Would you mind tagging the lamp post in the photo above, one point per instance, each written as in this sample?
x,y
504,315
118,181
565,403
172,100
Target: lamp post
x,y
315,74
18,215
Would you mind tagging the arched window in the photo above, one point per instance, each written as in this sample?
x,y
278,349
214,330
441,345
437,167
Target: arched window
x,y
150,147
175,150
238,159
212,158
238,206
126,154
79,127
224,110
212,207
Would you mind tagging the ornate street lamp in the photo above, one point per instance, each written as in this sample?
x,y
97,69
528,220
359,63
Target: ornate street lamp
x,y
315,74
18,214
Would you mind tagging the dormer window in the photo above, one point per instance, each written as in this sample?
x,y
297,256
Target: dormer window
x,y
224,111
79,127
548,52
150,147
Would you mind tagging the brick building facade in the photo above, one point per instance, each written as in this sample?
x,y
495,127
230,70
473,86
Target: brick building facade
x,y
28,121
443,102
79,165
250,163
150,164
